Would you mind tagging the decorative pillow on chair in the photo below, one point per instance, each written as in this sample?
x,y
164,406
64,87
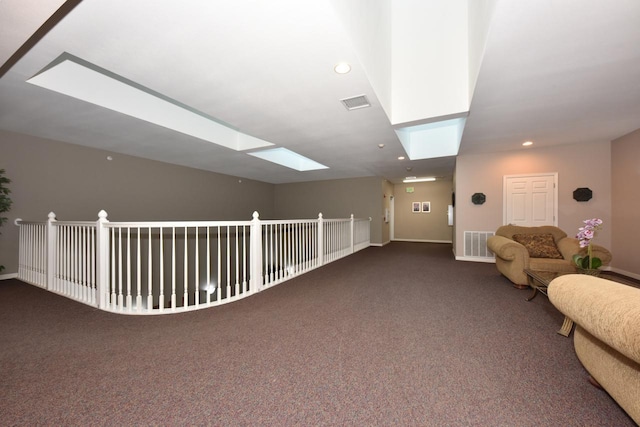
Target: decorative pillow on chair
x,y
539,245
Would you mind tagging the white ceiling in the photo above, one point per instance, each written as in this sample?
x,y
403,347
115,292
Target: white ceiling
x,y
555,72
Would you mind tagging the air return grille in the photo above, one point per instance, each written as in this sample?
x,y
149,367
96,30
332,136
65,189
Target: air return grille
x,y
356,102
475,244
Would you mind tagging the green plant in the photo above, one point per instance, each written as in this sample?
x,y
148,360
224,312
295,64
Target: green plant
x,y
5,200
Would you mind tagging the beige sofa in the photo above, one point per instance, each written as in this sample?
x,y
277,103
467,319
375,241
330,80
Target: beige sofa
x,y
513,257
607,334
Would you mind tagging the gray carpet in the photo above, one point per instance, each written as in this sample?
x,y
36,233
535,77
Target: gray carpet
x,y
401,335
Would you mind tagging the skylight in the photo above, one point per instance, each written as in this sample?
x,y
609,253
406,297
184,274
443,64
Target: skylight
x,y
82,80
288,158
432,140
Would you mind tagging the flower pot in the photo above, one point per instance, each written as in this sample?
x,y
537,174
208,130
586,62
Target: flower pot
x,y
590,271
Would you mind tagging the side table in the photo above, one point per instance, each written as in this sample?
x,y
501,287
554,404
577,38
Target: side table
x,y
539,282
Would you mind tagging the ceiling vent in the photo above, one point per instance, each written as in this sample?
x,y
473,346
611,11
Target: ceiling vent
x,y
356,102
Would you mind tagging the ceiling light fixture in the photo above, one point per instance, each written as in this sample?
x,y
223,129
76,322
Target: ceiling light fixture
x,y
401,158
342,68
527,143
414,179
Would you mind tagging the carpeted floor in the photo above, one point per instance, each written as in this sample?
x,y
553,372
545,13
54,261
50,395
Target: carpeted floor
x,y
401,335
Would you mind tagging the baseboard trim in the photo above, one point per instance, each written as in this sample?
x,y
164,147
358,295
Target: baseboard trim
x,y
625,273
423,241
8,276
476,259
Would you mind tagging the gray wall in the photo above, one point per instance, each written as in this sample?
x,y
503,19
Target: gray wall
x,y
77,182
625,195
339,198
578,165
431,227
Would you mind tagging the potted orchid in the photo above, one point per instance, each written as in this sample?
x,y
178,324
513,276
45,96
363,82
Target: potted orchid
x,y
588,264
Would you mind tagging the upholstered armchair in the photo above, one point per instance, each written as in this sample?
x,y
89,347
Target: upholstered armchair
x,y
545,248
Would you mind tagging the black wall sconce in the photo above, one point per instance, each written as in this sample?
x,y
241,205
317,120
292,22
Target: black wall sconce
x,y
582,194
478,198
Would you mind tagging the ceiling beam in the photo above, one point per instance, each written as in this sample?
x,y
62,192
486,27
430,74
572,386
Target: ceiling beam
x,y
51,22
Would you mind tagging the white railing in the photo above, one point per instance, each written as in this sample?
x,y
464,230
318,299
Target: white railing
x,y
166,267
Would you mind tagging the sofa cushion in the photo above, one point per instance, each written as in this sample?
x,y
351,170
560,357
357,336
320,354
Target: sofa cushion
x,y
539,245
509,230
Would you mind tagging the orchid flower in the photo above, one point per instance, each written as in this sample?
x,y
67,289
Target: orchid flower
x,y
586,234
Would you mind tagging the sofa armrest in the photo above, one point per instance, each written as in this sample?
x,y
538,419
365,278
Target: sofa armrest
x,y
570,246
602,253
507,249
608,310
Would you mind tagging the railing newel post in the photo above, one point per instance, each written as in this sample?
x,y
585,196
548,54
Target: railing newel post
x,y
102,261
352,234
320,239
51,250
256,281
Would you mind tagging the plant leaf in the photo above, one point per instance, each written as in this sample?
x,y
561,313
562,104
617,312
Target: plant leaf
x,y
585,262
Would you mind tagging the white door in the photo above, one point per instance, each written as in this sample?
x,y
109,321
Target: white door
x,y
531,200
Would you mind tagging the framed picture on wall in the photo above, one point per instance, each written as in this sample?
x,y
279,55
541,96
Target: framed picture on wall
x,y
415,207
426,207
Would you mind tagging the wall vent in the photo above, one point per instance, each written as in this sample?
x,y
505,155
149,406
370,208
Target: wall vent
x,y
355,102
475,244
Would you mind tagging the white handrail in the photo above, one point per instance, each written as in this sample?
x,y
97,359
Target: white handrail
x,y
154,267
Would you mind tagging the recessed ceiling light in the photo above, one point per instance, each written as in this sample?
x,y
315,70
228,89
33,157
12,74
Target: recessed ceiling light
x,y
414,179
401,158
527,143
342,68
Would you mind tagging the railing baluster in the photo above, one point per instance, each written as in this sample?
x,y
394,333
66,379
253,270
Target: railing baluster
x,y
173,268
92,265
228,272
161,269
244,259
85,265
75,255
185,293
208,293
128,295
68,240
196,290
138,271
73,265
219,272
120,285
149,271
237,276
72,288
64,235
113,300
